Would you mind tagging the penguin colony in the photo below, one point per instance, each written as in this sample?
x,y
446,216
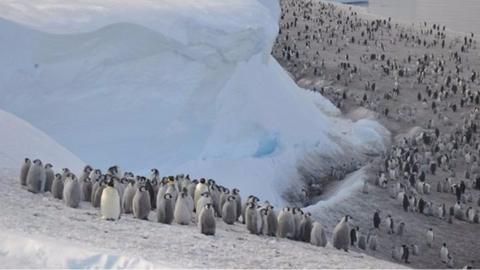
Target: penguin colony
x,y
176,200
416,76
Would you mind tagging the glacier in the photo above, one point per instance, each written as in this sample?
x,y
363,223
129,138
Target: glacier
x,y
182,86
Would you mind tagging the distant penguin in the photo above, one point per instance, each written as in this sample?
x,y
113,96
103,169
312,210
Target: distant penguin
x,y
225,193
318,236
341,234
305,228
365,187
36,177
271,221
72,191
24,171
430,237
165,209
415,250
252,218
229,210
250,199
204,199
49,177
110,202
94,176
141,203
200,189
206,220
390,225
297,218
286,224
57,187
151,192
400,228
81,180
127,199
372,242
97,196
183,211
444,253
238,199
362,241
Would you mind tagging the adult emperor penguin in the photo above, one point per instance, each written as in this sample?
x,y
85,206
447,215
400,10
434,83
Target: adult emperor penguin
x,y
165,209
183,209
229,210
24,171
57,187
128,195
206,220
318,236
429,236
286,224
305,228
252,218
72,191
141,203
238,199
271,221
49,177
200,189
444,253
110,202
341,234
36,177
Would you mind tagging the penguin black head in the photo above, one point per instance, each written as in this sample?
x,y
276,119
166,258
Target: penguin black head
x,y
263,211
251,205
111,182
38,162
231,198
195,181
154,171
208,206
27,160
211,182
206,194
48,166
57,175
65,170
202,180
87,169
142,189
187,177
235,191
167,196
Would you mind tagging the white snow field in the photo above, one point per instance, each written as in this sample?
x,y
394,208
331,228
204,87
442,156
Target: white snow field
x,y
183,86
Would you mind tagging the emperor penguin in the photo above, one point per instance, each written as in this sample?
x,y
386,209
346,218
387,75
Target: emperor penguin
x,y
215,193
110,202
250,199
188,199
204,199
286,224
429,237
97,196
225,193
151,193
238,199
400,228
36,177
183,209
365,187
172,190
83,176
444,253
271,221
305,228
252,218
206,220
191,188
318,236
200,189
141,203
362,241
118,185
229,210
72,191
341,234
49,176
297,218
128,195
57,187
372,241
165,209
470,214
24,171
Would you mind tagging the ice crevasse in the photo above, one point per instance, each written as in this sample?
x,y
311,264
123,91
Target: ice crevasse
x,y
183,86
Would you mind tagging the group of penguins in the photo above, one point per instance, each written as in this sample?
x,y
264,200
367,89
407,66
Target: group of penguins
x,y
176,199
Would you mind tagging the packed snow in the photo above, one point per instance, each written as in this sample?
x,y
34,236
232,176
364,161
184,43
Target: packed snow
x,y
182,86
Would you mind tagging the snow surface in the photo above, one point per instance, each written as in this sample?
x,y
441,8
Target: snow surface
x,y
37,231
183,86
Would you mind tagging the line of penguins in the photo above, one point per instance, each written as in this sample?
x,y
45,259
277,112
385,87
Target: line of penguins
x,y
176,199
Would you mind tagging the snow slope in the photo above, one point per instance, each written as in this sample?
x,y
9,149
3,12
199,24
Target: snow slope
x,y
18,140
37,231
183,86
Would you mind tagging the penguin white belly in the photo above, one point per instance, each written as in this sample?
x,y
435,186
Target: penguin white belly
x,y
110,204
